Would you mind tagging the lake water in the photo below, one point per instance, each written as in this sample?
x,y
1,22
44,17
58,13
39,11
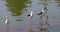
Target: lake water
x,y
17,11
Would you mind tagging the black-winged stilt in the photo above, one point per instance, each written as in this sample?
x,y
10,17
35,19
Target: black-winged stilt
x,y
30,15
42,12
30,22
42,26
6,21
7,24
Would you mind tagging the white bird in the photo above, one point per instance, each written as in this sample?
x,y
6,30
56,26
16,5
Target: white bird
x,y
6,21
30,15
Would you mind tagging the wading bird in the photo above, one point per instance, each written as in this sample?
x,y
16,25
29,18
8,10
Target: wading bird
x,y
30,15
7,24
42,26
6,21
30,22
42,12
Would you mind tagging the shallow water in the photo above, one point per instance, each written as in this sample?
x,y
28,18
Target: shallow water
x,y
17,11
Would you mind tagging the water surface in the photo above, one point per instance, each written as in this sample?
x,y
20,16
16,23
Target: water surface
x,y
17,11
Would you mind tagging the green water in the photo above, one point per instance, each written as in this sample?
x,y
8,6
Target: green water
x,y
17,11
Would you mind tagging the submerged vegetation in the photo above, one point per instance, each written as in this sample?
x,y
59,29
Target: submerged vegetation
x,y
58,2
16,6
